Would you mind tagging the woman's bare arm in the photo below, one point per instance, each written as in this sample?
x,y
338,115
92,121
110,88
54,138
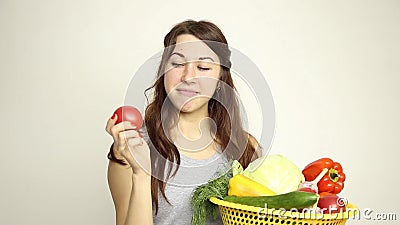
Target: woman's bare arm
x,y
120,184
140,204
130,185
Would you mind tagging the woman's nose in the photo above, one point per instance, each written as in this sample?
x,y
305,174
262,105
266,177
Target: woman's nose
x,y
189,72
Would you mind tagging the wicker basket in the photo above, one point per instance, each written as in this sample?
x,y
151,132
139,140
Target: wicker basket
x,y
237,214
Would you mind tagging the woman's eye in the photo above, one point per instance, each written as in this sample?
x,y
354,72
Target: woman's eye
x,y
203,68
176,64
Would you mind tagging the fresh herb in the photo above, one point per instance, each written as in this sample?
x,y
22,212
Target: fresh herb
x,y
201,205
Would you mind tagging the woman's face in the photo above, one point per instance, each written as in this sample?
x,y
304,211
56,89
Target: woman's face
x,y
192,74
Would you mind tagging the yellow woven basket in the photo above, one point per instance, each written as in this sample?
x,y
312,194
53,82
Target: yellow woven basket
x,y
237,214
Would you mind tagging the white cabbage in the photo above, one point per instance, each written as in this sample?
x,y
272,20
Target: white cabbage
x,y
275,172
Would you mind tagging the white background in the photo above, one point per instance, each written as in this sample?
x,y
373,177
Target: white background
x,y
332,66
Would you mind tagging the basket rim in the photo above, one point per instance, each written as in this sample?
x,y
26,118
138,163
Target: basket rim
x,y
303,215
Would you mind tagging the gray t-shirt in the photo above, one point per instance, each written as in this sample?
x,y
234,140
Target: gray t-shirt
x,y
191,174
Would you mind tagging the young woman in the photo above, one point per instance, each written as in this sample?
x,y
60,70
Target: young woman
x,y
152,180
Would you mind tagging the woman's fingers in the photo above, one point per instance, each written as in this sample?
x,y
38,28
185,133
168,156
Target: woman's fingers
x,y
111,123
133,142
115,130
138,155
136,152
129,134
128,142
130,137
126,125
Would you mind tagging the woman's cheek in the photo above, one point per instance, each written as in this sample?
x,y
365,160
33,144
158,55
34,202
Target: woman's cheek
x,y
170,82
208,86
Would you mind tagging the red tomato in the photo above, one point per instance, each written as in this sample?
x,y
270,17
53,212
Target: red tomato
x,y
322,194
331,203
129,113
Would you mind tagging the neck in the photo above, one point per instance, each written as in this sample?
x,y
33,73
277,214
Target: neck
x,y
191,124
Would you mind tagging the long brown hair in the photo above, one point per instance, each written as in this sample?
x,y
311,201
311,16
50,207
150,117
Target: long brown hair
x,y
230,134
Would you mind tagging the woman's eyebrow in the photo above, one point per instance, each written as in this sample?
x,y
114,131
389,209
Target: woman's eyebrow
x,y
206,57
200,58
178,54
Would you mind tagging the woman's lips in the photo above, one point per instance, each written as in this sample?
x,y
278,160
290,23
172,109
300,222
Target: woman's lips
x,y
188,93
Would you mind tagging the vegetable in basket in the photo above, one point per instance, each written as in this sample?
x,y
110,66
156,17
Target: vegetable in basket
x,y
312,186
291,200
202,207
276,172
333,181
240,185
330,203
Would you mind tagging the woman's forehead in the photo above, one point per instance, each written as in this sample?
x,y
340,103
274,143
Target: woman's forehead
x,y
193,49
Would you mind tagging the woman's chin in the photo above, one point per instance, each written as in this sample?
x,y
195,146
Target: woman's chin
x,y
187,108
191,105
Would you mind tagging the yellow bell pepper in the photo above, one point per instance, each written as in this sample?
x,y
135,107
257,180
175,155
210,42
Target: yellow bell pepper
x,y
240,185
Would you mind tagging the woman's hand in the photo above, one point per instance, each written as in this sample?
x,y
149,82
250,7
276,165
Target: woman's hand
x,y
130,145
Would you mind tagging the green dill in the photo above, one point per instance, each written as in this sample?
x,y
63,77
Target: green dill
x,y
201,205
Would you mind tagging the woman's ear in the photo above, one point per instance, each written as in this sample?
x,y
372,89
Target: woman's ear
x,y
219,85
218,88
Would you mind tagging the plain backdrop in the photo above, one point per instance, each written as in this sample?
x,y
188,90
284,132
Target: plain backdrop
x,y
332,66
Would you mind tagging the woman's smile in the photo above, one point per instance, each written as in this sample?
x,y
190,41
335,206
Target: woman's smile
x,y
187,92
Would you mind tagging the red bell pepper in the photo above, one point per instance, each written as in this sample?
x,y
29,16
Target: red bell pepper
x,y
332,182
